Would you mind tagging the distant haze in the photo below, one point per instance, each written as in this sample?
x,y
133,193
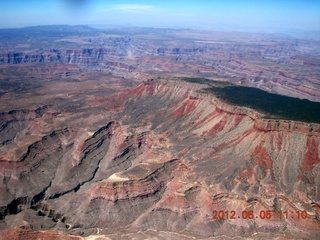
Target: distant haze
x,y
242,15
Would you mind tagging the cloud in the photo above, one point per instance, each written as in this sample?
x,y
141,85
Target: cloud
x,y
132,7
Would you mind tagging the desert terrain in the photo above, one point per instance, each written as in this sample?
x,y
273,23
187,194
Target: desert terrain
x,y
144,133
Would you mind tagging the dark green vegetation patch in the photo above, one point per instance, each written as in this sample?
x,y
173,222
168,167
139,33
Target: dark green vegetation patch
x,y
273,105
205,81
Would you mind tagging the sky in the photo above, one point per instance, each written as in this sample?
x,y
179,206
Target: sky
x,y
242,15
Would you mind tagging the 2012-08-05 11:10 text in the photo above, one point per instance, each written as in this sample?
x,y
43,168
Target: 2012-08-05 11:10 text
x,y
262,214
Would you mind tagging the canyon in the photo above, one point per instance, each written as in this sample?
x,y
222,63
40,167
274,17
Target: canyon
x,y
274,63
114,135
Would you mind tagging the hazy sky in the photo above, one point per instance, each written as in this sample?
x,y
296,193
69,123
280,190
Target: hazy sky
x,y
251,15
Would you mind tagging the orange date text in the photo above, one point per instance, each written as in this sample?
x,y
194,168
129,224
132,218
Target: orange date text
x,y
263,214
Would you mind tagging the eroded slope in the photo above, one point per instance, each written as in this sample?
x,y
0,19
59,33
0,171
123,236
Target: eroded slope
x,y
159,158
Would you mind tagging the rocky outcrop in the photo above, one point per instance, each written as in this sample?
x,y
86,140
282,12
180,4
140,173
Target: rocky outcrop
x,y
169,155
81,57
15,121
16,234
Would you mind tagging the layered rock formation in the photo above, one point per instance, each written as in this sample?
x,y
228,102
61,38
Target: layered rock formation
x,y
285,65
156,160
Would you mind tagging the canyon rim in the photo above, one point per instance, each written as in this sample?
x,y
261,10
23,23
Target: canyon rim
x,y
130,134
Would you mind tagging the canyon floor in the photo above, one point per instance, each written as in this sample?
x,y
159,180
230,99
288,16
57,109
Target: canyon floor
x,y
158,134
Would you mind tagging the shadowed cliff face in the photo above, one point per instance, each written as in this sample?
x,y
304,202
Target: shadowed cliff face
x,y
157,159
